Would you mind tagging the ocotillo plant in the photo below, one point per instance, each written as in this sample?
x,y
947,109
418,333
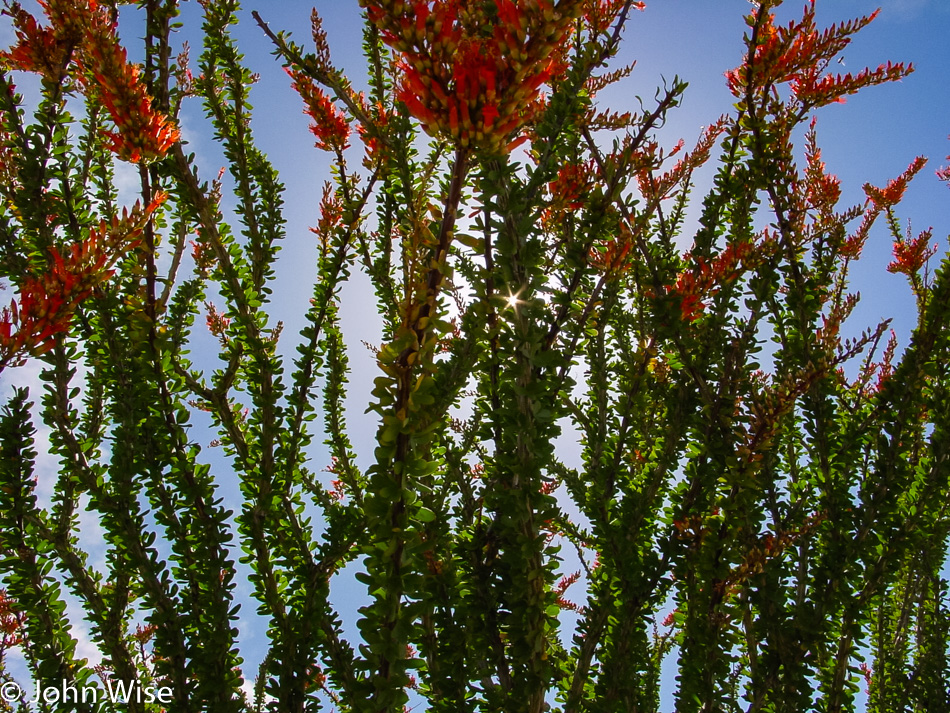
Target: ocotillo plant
x,y
759,502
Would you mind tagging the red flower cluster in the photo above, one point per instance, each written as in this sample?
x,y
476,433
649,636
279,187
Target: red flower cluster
x,y
612,255
600,14
143,134
217,323
884,198
568,191
202,253
566,581
705,278
70,18
144,633
329,125
821,190
473,71
799,53
44,50
11,623
47,302
374,145
331,214
944,173
879,200
911,255
44,308
656,188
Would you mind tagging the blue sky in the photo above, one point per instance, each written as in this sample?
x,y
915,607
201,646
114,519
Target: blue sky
x,y
871,138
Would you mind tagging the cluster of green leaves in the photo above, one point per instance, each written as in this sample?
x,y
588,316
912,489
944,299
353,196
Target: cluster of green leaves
x,y
793,518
